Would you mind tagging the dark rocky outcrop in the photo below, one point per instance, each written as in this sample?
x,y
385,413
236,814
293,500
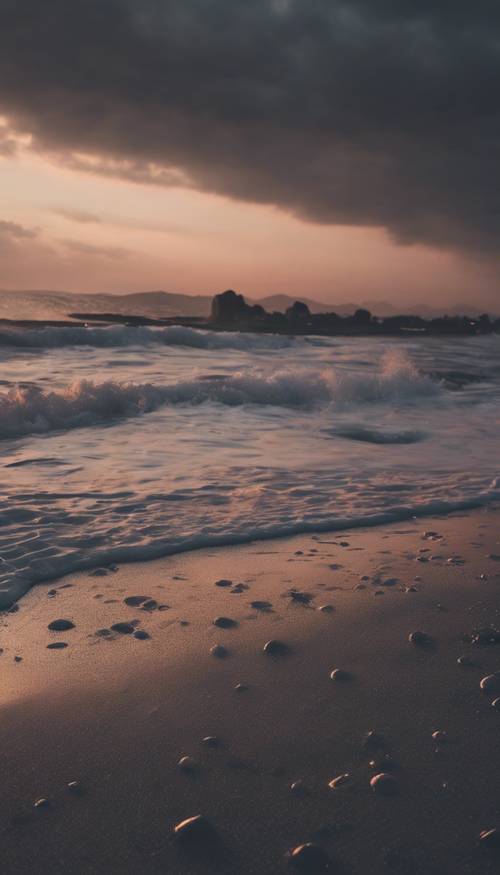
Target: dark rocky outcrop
x,y
230,308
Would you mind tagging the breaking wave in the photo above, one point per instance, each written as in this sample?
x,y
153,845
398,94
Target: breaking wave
x,y
52,337
31,410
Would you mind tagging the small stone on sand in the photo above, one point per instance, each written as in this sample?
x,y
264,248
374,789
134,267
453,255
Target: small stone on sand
x,y
41,803
384,784
275,647
187,764
261,606
219,651
326,609
224,622
211,741
339,781
57,645
298,788
420,639
491,683
240,688
141,635
338,674
75,788
195,831
223,583
309,858
61,625
133,601
439,736
123,628
490,838
496,704
465,660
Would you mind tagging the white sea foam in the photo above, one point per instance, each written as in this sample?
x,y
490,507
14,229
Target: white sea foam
x,y
104,528
313,437
31,410
53,337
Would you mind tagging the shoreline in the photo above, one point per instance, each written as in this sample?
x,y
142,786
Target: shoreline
x,y
123,555
116,713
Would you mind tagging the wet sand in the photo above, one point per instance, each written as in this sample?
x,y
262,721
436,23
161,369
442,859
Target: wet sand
x,y
116,713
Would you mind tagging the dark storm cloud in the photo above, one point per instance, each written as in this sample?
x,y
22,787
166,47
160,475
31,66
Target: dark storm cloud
x,y
364,112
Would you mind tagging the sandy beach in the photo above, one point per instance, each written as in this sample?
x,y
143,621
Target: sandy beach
x,y
116,713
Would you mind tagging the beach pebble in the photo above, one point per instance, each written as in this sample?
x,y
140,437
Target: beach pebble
x,y
275,647
134,601
491,683
339,781
150,605
195,830
496,704
211,741
75,788
384,784
123,628
223,583
465,660
326,609
219,651
240,688
261,606
298,788
41,803
141,635
57,645
420,639
440,736
224,622
309,858
61,625
187,764
338,674
490,838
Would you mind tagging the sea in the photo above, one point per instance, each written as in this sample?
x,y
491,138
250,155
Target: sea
x,y
120,444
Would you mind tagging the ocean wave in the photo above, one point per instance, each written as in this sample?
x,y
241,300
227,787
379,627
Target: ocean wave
x,y
30,409
52,337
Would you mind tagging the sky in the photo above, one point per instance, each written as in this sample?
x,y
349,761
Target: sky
x,y
344,150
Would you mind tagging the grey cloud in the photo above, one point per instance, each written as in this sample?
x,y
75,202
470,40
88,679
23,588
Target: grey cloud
x,y
13,231
74,215
88,249
365,112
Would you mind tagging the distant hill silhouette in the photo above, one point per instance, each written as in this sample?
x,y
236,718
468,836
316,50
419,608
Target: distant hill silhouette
x,y
46,304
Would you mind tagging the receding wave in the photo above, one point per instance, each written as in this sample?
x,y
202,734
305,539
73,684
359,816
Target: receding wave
x,y
152,526
31,410
52,337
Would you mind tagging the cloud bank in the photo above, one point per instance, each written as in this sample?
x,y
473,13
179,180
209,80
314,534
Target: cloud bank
x,y
378,113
